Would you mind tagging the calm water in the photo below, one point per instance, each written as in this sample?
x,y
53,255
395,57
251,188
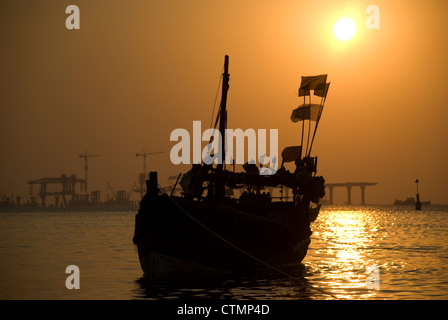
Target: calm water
x,y
408,248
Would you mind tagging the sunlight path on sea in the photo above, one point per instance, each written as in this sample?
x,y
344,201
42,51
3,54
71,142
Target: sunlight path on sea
x,y
407,248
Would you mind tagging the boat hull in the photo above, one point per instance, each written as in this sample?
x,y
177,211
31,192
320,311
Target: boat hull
x,y
177,237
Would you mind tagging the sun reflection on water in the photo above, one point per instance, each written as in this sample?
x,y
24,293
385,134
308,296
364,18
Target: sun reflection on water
x,y
340,250
406,248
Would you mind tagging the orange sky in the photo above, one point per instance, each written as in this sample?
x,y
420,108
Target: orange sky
x,y
136,70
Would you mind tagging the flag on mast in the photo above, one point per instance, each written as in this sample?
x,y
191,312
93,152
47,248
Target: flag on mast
x,y
309,111
292,153
322,90
311,83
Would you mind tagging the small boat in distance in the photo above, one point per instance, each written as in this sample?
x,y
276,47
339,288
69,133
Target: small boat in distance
x,y
410,202
207,231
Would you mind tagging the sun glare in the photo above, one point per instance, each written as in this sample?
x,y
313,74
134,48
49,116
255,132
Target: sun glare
x,y
344,29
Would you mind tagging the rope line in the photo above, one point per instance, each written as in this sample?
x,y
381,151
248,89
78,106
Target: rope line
x,y
243,251
214,104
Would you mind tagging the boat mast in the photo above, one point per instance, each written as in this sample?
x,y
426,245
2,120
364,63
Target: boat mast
x,y
220,183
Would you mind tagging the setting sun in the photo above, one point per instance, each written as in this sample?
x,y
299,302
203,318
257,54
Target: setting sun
x,y
344,29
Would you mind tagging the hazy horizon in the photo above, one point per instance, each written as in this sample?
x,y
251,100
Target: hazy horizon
x,y
136,70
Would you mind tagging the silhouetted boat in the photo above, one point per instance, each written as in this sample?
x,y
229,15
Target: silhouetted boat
x,y
195,235
410,202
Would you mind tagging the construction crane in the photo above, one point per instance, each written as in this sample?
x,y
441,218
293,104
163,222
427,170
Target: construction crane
x,y
108,186
144,155
86,167
143,176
